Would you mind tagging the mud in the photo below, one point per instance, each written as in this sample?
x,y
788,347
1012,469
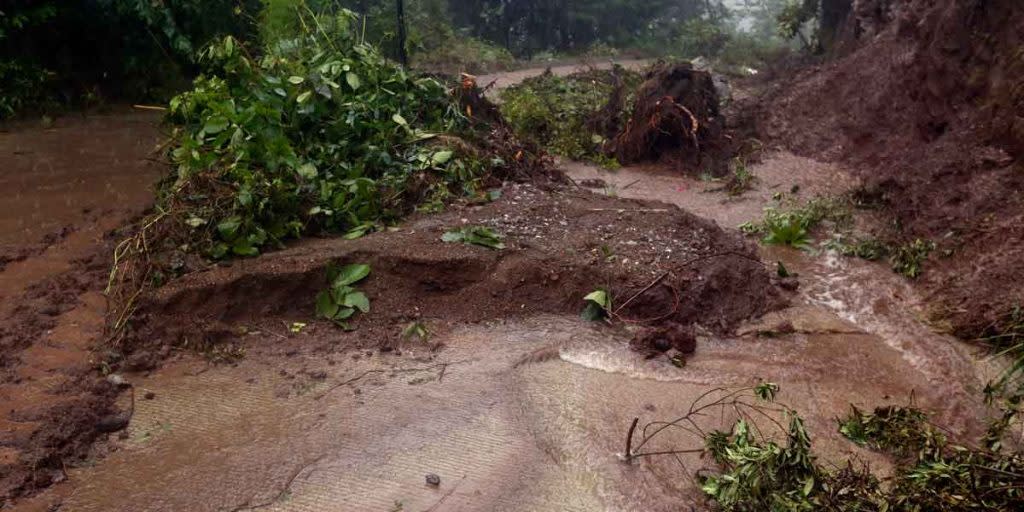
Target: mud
x,y
937,136
544,436
67,186
562,245
869,296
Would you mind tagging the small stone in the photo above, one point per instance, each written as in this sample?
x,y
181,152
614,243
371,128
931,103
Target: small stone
x,y
117,380
433,480
149,395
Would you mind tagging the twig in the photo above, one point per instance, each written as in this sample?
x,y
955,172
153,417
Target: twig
x,y
629,439
641,292
633,183
624,210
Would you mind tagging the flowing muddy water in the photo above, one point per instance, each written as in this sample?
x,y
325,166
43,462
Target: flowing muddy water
x,y
359,432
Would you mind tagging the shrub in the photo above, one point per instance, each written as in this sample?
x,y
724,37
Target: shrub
x,y
320,133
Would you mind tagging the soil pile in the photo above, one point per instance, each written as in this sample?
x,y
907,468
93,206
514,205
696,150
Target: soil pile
x,y
676,268
675,117
927,107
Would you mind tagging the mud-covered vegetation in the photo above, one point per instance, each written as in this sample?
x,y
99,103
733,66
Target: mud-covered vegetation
x,y
572,116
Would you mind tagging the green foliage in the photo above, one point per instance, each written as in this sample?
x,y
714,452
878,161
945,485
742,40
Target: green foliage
x,y
23,86
598,305
559,113
341,301
786,228
758,473
416,330
741,179
89,50
321,133
475,235
790,223
871,249
908,259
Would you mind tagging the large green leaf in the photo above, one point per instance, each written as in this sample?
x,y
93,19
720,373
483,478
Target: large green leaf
x,y
351,274
357,300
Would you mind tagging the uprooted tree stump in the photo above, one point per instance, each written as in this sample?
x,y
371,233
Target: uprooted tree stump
x,y
676,117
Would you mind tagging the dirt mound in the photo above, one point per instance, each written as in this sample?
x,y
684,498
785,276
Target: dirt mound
x,y
927,109
561,246
675,117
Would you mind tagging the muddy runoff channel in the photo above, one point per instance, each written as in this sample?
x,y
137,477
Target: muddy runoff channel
x,y
529,412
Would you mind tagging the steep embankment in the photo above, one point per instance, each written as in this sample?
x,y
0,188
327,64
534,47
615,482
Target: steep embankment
x,y
928,107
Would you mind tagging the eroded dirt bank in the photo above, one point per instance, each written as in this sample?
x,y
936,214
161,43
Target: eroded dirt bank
x,y
937,137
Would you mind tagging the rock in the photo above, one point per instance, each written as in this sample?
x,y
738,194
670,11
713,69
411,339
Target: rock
x,y
433,480
149,395
113,422
118,381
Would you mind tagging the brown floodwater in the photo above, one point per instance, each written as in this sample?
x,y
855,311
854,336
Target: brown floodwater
x,y
56,176
362,435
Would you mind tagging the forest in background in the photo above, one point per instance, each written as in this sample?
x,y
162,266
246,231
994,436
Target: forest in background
x,y
83,53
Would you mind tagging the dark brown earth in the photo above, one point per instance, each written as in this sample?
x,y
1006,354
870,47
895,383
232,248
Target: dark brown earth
x,y
67,186
562,244
927,109
676,118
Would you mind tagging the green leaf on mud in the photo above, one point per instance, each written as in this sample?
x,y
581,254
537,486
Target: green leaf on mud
x,y
599,297
325,305
351,274
475,235
357,300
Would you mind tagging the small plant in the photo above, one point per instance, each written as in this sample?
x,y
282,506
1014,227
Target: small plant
x,y
907,260
475,235
342,301
871,249
786,229
741,179
598,306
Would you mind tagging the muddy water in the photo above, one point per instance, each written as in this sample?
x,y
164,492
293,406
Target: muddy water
x,y
54,176
868,295
361,435
544,436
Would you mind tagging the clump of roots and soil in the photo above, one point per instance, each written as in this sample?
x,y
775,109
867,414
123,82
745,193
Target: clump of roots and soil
x,y
670,113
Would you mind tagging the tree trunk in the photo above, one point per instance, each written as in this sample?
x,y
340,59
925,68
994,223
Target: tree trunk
x,y
403,55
